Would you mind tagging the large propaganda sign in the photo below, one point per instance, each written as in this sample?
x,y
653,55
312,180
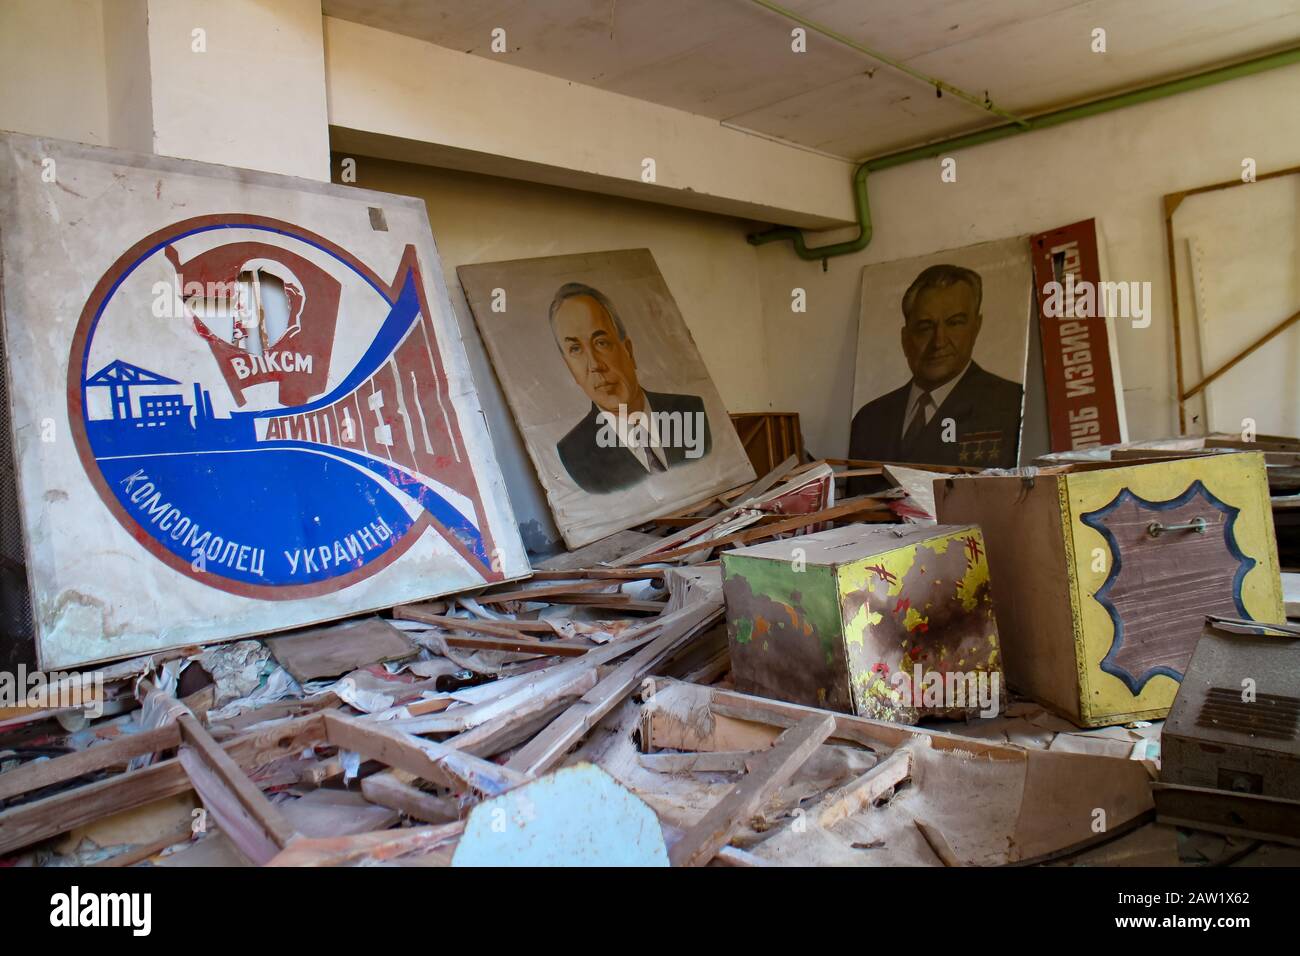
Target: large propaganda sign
x,y
269,419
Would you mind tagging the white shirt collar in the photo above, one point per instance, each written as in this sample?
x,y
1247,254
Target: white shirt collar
x,y
937,397
637,448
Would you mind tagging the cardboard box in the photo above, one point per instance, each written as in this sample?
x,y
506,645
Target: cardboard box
x,y
890,622
1107,571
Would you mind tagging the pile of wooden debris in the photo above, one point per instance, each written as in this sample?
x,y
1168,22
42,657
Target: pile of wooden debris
x,y
384,739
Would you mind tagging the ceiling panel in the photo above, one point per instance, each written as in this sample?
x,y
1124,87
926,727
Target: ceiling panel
x,y
731,59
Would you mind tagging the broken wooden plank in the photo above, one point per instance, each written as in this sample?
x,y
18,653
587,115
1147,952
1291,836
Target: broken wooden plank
x,y
31,822
842,803
710,761
498,733
547,592
257,829
45,773
548,747
861,505
553,682
602,574
427,760
389,789
749,496
375,847
519,644
791,750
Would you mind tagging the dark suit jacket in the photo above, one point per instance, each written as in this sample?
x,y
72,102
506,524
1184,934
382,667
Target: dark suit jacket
x,y
985,408
598,470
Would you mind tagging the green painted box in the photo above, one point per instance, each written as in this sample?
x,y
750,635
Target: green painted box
x,y
893,622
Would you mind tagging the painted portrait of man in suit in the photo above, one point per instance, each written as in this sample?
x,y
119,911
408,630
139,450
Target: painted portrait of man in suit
x,y
952,411
630,433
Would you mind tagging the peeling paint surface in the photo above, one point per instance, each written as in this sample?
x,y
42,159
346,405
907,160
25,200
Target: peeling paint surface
x,y
861,620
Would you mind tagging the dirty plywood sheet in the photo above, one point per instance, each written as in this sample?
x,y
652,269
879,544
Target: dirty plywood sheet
x,y
240,403
338,649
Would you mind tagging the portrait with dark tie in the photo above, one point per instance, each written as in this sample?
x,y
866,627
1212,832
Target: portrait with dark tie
x,y
611,398
950,410
629,433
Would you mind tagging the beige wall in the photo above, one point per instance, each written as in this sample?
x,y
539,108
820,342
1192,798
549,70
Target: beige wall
x,y
736,299
1113,168
53,88
710,268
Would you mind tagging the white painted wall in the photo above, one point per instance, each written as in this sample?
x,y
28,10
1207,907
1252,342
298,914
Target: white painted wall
x,y
52,69
711,270
56,68
254,97
1114,168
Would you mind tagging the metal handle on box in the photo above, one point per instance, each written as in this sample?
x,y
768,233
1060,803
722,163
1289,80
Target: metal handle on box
x,y
1196,525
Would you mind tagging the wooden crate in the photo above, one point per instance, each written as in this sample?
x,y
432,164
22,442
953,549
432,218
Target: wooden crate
x,y
1099,606
879,621
769,437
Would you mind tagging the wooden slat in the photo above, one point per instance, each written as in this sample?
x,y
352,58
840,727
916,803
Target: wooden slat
x,y
864,504
23,825
547,748
427,760
865,790
388,789
45,773
375,847
791,751
254,825
548,591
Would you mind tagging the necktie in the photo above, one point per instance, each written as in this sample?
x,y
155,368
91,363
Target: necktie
x,y
923,405
641,437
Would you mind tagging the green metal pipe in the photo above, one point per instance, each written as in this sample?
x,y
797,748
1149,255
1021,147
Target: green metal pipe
x,y
1056,118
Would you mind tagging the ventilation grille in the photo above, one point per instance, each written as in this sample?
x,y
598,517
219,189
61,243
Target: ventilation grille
x,y
1269,715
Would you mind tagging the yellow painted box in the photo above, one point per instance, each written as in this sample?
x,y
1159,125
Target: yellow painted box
x,y
891,622
1106,572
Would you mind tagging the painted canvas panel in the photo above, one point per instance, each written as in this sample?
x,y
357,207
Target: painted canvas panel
x,y
239,403
942,347
615,406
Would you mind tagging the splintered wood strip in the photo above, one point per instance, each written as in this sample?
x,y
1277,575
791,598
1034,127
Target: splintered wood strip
x,y
603,574
256,827
388,789
547,748
519,644
715,761
45,773
791,751
503,628
500,732
861,505
427,760
144,851
864,463
547,591
373,847
758,488
23,825
861,793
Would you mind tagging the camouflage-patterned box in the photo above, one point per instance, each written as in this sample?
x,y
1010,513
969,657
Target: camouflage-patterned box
x,y
891,622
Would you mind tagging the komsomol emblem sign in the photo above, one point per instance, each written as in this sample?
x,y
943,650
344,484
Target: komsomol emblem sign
x,y
271,419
